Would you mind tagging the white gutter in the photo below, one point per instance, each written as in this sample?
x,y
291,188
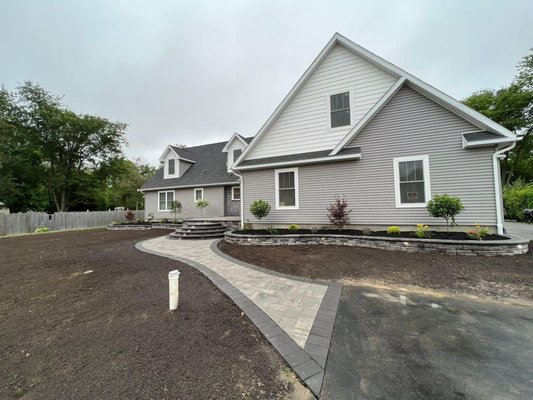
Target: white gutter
x,y
498,185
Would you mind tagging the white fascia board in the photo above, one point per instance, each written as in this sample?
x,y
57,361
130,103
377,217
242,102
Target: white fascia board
x,y
302,162
188,186
232,139
484,143
369,115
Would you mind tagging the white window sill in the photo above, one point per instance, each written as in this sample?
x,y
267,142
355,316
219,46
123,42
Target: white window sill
x,y
412,205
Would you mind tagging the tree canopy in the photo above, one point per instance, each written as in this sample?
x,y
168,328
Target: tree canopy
x,y
54,158
512,107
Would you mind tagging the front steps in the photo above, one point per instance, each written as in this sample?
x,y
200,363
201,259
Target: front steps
x,y
199,230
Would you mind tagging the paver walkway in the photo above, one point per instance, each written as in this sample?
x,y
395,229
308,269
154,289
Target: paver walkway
x,y
292,304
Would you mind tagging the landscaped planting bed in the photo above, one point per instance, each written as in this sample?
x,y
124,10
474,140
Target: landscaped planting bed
x,y
483,276
457,243
84,315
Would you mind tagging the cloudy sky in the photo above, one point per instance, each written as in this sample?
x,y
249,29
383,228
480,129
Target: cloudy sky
x,y
194,72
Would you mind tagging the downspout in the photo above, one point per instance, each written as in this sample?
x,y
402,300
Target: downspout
x,y
498,185
241,180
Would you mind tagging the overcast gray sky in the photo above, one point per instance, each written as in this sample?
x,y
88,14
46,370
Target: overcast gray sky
x,y
193,72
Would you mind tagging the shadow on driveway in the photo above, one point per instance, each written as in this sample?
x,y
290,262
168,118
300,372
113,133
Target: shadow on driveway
x,y
391,344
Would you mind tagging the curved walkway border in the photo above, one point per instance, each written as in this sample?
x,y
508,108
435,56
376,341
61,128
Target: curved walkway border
x,y
510,247
308,362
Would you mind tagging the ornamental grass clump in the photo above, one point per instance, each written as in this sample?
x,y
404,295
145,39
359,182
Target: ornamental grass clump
x,y
338,212
293,228
422,231
394,230
447,207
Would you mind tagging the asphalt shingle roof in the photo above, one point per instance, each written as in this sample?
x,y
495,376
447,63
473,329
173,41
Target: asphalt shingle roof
x,y
299,157
209,168
476,136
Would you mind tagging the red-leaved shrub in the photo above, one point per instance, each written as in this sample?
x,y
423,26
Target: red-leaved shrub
x,y
338,212
129,215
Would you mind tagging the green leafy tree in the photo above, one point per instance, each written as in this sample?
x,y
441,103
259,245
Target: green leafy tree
x,y
69,146
201,205
512,107
175,206
445,206
259,209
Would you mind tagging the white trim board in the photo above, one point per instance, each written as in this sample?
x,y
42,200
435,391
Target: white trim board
x,y
194,194
320,160
296,189
427,185
166,199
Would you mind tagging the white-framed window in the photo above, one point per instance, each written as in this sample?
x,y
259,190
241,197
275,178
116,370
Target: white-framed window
x,y
165,199
171,166
411,181
235,193
339,110
198,194
287,188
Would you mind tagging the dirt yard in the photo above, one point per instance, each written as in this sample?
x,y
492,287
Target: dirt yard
x,y
496,277
83,315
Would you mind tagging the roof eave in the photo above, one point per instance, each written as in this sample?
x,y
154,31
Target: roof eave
x,y
321,160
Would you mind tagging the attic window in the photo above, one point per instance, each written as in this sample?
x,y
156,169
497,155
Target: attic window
x,y
171,166
236,154
340,109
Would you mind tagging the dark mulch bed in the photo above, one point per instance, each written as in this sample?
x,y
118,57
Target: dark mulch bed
x,y
485,276
109,335
354,232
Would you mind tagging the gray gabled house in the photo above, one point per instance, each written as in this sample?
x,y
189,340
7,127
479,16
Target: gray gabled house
x,y
354,125
357,125
190,174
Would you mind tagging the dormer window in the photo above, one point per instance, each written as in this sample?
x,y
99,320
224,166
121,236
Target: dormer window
x,y
171,166
339,108
236,154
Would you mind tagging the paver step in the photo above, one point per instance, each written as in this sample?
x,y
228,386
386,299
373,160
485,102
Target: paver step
x,y
202,232
178,235
199,230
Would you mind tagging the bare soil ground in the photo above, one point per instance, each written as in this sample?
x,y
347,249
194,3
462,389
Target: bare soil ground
x,y
495,277
67,333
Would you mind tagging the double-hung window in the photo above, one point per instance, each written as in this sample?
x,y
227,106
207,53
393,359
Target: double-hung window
x,y
411,180
171,166
165,200
339,108
198,194
286,188
235,193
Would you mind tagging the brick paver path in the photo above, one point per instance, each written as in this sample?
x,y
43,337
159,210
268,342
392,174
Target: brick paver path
x,y
292,304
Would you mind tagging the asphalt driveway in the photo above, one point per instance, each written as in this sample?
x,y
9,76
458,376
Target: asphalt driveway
x,y
392,344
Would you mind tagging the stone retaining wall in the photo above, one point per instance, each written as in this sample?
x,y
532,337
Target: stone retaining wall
x,y
128,227
509,247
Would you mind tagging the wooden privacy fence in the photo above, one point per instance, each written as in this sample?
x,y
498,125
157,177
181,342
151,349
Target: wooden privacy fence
x,y
12,224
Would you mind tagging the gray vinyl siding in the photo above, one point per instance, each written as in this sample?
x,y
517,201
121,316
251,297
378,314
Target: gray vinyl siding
x,y
183,166
409,125
215,196
303,125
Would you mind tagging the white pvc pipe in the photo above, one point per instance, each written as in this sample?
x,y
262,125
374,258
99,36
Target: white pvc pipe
x,y
173,289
